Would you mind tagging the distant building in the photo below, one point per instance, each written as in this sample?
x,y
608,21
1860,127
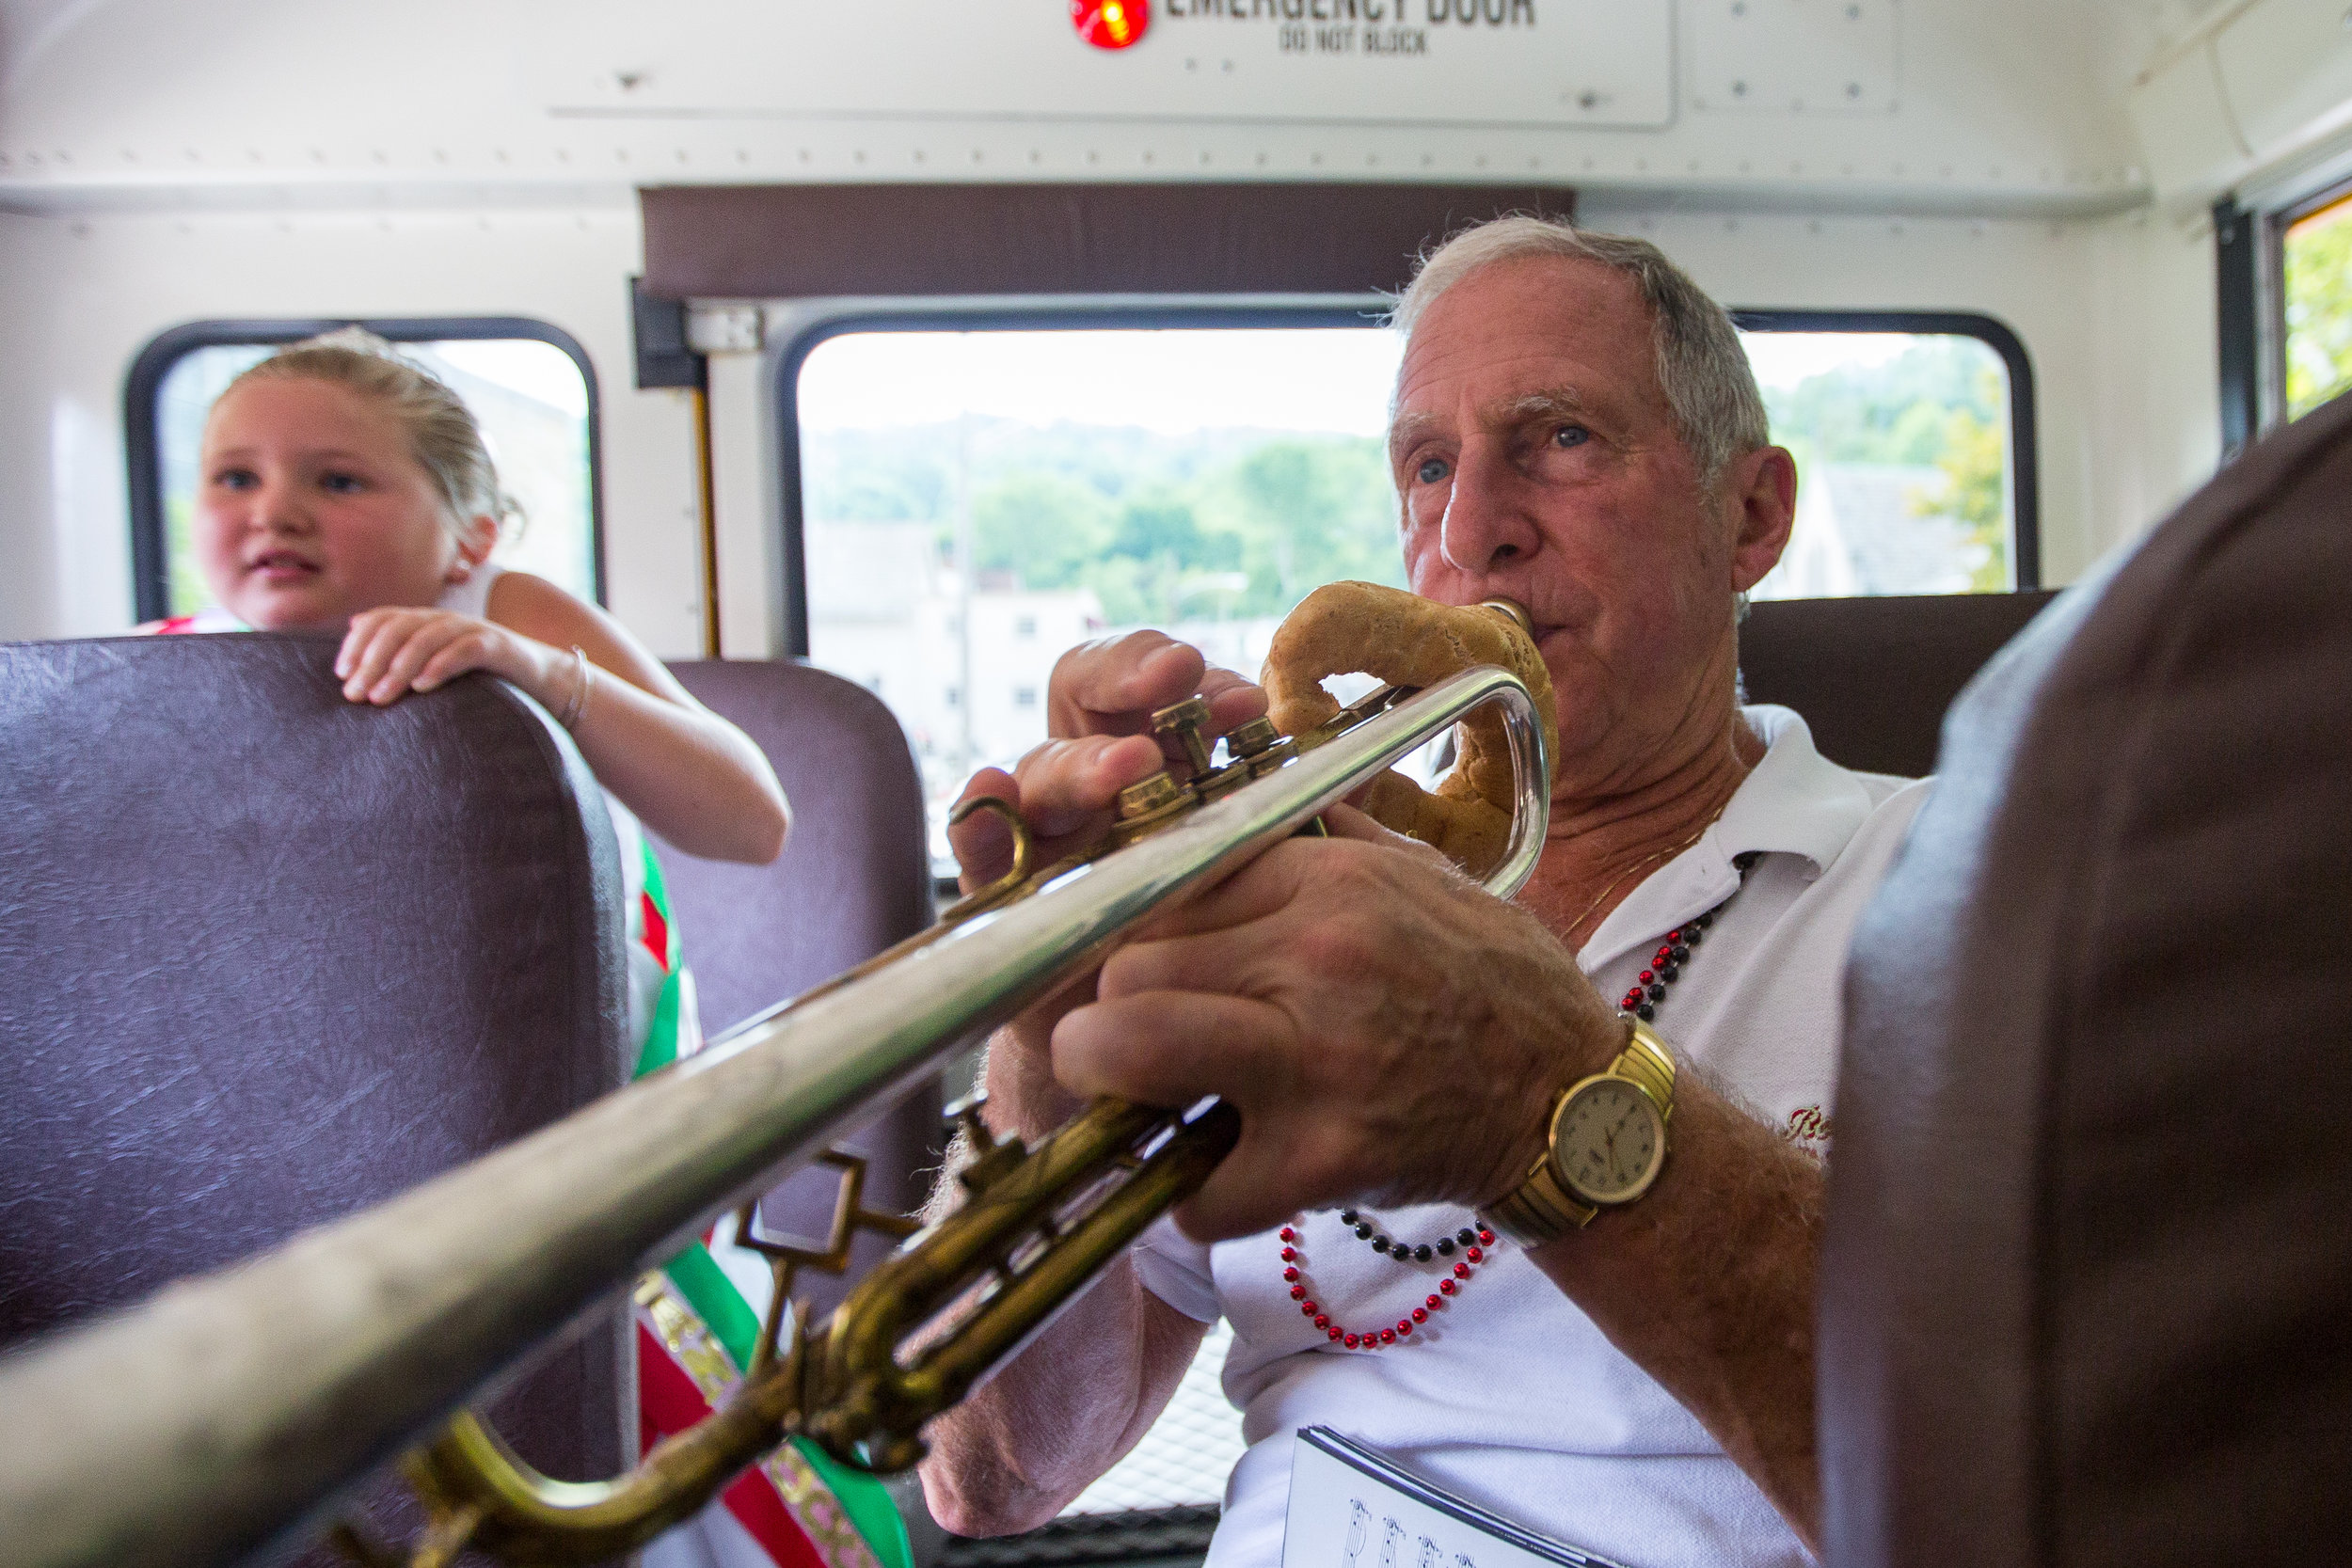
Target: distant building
x,y
1872,528
886,609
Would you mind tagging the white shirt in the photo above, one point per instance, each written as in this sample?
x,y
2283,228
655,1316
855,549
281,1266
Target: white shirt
x,y
1509,1395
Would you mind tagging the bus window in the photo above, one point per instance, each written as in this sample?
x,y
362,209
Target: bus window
x,y
976,503
533,400
2317,253
1906,479
973,503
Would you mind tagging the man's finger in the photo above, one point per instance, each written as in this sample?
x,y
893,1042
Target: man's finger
x,y
1234,699
1211,943
1271,1175
1170,1047
982,842
1110,686
1349,822
1273,883
1064,782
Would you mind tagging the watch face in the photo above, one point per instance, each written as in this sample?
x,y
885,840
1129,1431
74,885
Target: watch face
x,y
1610,1142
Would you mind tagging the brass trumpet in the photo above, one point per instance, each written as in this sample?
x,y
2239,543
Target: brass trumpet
x,y
226,1414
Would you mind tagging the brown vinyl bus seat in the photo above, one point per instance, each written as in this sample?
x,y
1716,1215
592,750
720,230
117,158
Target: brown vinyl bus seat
x,y
854,878
1874,677
2086,1287
272,957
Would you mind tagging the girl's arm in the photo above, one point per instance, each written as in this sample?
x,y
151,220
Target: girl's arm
x,y
692,777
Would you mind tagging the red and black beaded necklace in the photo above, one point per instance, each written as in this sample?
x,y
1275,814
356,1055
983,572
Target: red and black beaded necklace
x,y
1475,1243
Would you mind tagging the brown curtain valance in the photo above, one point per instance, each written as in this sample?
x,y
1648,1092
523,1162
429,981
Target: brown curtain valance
x,y
779,242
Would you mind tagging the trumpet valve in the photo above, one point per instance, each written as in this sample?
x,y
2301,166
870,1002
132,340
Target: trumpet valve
x,y
989,1159
964,1115
1145,805
1260,745
1184,722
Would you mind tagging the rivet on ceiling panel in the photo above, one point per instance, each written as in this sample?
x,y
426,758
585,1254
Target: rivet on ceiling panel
x,y
1780,56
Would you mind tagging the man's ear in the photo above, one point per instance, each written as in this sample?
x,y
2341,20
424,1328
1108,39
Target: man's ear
x,y
1761,492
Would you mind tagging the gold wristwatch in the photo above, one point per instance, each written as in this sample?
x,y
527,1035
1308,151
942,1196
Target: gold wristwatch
x,y
1607,1144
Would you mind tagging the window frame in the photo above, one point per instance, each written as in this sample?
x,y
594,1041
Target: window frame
x,y
142,437
2024,518
2267,255
2250,226
1107,314
833,320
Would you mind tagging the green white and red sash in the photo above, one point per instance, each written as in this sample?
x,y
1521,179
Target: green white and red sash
x,y
697,1330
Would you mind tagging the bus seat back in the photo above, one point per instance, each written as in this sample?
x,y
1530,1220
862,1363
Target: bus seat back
x,y
854,878
1873,676
273,957
2086,1287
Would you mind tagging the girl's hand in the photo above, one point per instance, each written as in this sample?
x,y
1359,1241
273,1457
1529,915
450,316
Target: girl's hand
x,y
390,652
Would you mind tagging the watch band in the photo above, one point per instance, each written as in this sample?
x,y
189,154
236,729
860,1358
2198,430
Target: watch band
x,y
1541,1209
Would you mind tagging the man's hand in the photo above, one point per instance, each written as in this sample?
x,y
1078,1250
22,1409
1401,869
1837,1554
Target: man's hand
x,y
1082,1394
1393,1034
1099,709
1389,1032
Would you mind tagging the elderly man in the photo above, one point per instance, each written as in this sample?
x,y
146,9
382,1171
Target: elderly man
x,y
1399,1238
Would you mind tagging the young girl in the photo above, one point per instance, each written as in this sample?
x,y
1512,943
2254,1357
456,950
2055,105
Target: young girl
x,y
341,487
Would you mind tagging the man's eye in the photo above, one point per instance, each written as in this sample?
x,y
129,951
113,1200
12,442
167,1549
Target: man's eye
x,y
1432,469
1570,436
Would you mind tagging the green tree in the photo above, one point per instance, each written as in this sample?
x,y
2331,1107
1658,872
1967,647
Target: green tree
x,y
1310,510
1893,412
2318,310
1974,457
1042,527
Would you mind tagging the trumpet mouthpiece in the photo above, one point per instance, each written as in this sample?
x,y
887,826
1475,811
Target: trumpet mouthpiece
x,y
1514,610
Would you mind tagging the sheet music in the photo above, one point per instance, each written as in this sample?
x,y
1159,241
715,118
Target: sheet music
x,y
1353,1507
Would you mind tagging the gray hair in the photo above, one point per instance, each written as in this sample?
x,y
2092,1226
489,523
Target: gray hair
x,y
442,432
1702,370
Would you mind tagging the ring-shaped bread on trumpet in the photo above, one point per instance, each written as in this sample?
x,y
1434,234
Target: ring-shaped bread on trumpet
x,y
1392,636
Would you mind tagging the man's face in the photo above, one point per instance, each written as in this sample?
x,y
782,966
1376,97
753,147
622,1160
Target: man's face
x,y
1536,458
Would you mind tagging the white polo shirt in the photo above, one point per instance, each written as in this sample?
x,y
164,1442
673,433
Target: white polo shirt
x,y
1508,1394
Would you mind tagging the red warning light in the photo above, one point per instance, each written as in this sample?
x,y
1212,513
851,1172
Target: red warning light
x,y
1110,23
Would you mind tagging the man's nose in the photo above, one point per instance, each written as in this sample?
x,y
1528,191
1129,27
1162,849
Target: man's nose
x,y
1485,523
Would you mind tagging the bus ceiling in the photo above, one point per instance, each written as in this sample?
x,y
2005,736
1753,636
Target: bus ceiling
x,y
1988,106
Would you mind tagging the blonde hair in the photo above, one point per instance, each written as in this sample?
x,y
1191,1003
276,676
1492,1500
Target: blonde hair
x,y
442,432
1702,369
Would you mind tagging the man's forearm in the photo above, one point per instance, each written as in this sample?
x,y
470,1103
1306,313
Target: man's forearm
x,y
1708,1284
1026,1442
1029,1440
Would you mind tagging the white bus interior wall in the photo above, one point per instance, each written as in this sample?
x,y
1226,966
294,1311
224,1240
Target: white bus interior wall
x,y
2053,165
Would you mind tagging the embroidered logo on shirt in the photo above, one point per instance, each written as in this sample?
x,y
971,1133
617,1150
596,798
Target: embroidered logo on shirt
x,y
1808,1128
